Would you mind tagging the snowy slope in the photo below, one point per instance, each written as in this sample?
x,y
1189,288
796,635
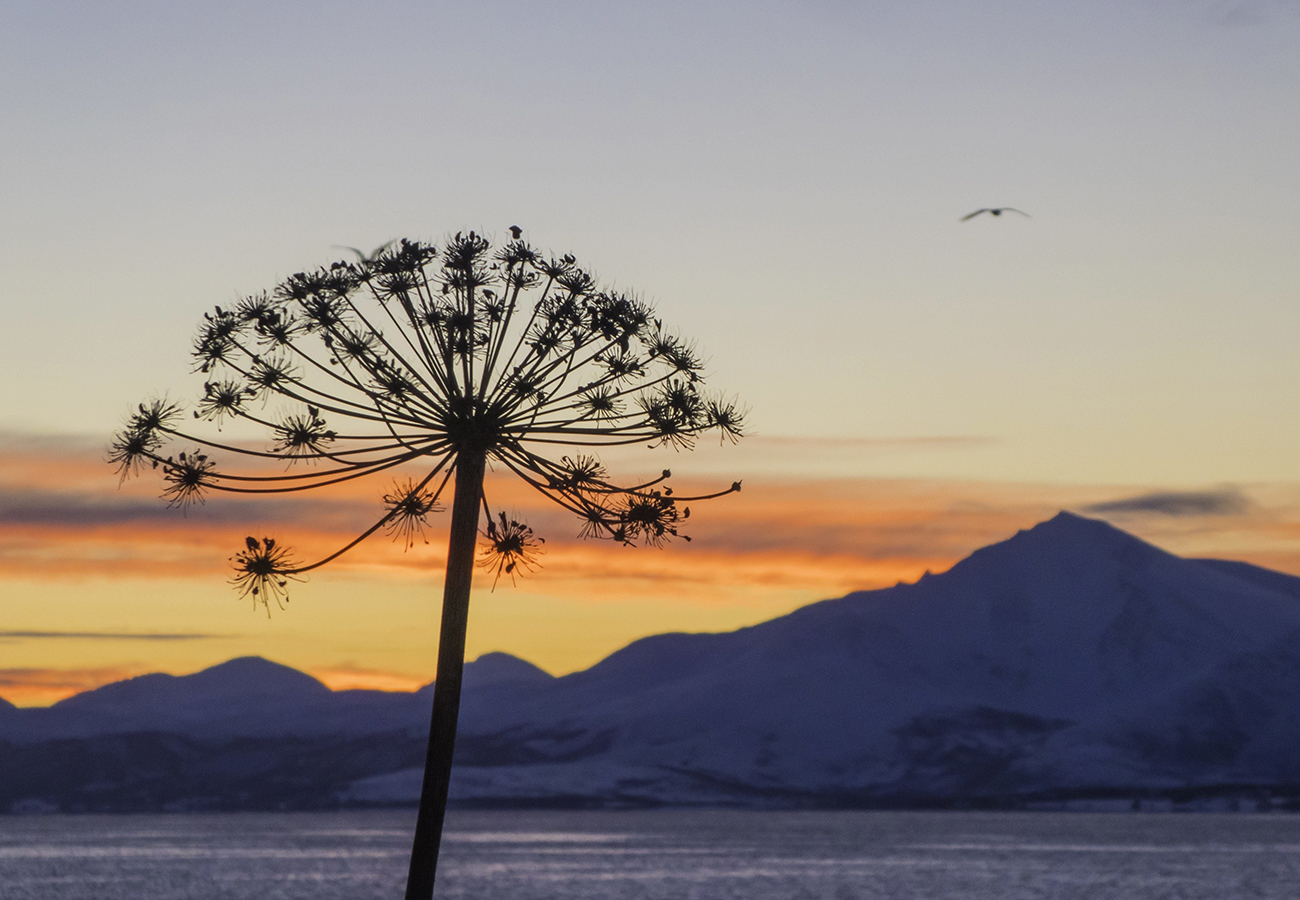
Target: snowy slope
x,y
1071,657
1072,654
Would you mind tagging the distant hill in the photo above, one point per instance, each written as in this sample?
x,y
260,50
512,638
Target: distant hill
x,y
248,697
1072,660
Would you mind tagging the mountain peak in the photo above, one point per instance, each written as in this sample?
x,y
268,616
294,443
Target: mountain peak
x,y
1073,524
248,665
245,676
1069,658
1069,534
254,674
497,667
1066,518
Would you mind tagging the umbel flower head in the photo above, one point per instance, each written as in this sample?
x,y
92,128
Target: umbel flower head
x,y
511,546
408,508
263,569
431,358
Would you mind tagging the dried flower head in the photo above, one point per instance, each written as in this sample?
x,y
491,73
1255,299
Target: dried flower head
x,y
139,441
443,361
511,546
303,436
417,358
221,399
263,570
409,505
187,476
651,519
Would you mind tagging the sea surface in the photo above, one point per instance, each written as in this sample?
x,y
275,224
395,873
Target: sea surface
x,y
690,854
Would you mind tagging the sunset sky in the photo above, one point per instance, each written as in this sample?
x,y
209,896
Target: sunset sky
x,y
783,182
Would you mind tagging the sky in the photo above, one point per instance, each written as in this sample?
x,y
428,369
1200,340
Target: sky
x,y
783,181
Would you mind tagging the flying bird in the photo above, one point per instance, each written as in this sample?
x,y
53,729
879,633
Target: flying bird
x,y
373,255
995,212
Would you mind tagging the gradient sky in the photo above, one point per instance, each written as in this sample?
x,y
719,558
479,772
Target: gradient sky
x,y
782,180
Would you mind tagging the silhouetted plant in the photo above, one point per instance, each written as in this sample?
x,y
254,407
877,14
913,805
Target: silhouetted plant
x,y
451,360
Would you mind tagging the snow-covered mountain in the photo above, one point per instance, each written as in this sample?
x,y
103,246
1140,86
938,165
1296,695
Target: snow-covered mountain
x,y
1071,659
1072,656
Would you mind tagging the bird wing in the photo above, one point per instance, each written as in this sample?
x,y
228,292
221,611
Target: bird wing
x,y
363,257
382,247
974,214
1014,210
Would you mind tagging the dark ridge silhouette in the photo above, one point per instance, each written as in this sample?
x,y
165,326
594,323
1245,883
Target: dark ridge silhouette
x,y
1071,660
501,668
235,679
251,697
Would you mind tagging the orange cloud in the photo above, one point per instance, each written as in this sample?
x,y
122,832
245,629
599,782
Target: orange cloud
x,y
349,677
41,687
790,537
62,514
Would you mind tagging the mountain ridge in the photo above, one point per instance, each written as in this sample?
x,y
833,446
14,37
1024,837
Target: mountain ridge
x,y
1071,658
233,678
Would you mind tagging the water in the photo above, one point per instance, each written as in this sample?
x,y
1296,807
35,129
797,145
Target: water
x,y
649,855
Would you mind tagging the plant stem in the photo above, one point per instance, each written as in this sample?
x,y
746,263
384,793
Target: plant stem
x,y
451,664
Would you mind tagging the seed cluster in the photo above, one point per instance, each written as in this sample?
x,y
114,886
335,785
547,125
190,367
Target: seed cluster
x,y
417,354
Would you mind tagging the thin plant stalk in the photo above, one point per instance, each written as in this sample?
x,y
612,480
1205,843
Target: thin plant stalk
x,y
462,539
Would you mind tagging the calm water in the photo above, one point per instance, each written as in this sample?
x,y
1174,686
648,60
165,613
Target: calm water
x,y
700,855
